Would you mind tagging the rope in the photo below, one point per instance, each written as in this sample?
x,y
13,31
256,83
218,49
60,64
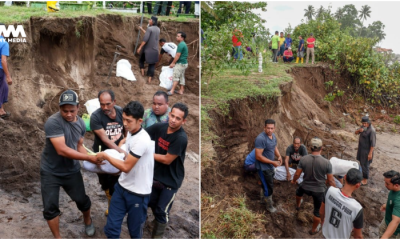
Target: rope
x,y
141,22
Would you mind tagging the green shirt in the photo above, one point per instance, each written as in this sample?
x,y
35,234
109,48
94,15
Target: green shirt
x,y
275,40
183,50
393,208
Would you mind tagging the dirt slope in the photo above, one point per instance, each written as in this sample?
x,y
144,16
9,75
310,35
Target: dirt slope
x,y
299,108
76,54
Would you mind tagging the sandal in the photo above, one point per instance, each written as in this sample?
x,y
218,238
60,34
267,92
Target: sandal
x,y
5,115
177,92
317,230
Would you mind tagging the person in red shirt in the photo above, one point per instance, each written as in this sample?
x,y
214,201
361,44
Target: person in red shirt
x,y
310,47
288,56
237,44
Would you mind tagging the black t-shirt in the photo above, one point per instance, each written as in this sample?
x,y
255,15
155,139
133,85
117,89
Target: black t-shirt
x,y
294,157
114,128
175,143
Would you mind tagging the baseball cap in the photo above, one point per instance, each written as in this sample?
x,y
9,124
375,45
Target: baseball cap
x,y
365,119
289,48
316,142
69,97
354,176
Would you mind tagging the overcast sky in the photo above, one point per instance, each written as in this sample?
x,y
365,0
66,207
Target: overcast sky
x,y
280,13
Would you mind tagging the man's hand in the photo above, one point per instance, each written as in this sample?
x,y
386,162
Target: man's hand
x,y
95,160
276,163
293,182
383,208
370,156
9,80
280,160
139,49
361,130
288,176
172,65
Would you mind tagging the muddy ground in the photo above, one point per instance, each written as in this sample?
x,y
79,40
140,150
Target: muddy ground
x,y
300,108
56,58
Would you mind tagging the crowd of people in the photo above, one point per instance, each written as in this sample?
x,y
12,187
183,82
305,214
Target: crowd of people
x,y
151,173
336,212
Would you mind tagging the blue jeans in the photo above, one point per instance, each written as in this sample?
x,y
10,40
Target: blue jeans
x,y
287,59
122,202
238,53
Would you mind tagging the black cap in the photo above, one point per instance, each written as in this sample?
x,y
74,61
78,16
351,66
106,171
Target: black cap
x,y
69,97
154,18
365,119
354,176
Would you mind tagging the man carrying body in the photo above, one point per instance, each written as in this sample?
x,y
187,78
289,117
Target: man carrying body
x,y
340,213
171,142
133,189
265,150
366,145
390,226
275,45
59,166
5,76
315,168
169,48
310,48
300,50
159,111
179,64
106,123
150,48
293,154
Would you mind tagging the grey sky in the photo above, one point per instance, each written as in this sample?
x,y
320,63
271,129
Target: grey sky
x,y
280,13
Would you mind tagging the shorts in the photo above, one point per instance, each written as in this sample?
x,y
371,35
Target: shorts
x,y
179,73
318,198
300,54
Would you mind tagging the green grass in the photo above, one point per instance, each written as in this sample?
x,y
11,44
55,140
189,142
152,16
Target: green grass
x,y
17,14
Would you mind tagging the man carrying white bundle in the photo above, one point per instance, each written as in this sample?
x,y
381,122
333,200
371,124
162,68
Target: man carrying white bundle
x,y
133,189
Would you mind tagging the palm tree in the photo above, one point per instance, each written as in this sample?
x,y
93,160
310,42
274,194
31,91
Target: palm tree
x,y
364,14
339,13
207,7
319,12
310,12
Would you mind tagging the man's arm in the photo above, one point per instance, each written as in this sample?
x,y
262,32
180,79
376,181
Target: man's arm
x,y
177,56
331,180
297,175
301,47
261,158
125,166
165,159
287,167
371,150
391,227
65,151
278,154
357,233
5,69
142,30
104,138
140,47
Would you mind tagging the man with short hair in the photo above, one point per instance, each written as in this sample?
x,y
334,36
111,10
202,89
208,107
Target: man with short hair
x,y
106,123
366,145
390,226
159,111
315,168
275,46
294,152
288,56
265,150
5,76
281,45
150,48
59,165
288,41
237,45
310,48
167,47
179,64
300,50
133,189
169,171
340,213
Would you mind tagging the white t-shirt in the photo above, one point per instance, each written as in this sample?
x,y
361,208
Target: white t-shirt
x,y
170,48
342,214
140,179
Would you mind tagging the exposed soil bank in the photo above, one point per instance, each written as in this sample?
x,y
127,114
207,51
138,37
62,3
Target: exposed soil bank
x,y
299,108
76,53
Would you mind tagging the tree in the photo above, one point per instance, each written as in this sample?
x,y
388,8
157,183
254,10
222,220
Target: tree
x,y
339,13
350,21
364,14
309,12
320,12
288,30
376,31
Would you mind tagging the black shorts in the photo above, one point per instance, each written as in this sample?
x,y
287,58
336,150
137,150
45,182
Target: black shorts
x,y
318,198
73,186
